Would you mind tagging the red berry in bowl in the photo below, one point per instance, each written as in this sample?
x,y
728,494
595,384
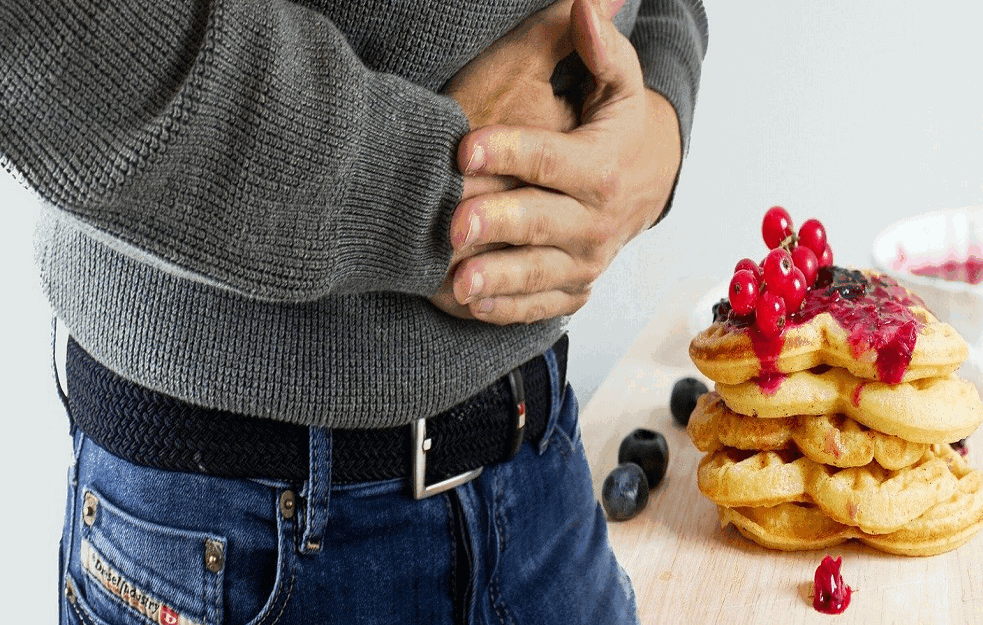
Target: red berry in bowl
x,y
812,234
750,265
807,262
770,314
776,226
793,291
778,268
826,258
743,292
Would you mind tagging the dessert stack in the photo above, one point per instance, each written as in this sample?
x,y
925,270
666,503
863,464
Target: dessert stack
x,y
836,406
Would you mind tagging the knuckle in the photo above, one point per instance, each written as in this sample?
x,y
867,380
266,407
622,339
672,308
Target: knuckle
x,y
598,237
608,187
544,162
539,229
534,312
534,279
579,301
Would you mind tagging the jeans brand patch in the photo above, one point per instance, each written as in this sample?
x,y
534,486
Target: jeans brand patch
x,y
155,610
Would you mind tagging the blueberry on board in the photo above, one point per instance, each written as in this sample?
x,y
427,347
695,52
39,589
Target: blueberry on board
x,y
625,492
648,450
683,399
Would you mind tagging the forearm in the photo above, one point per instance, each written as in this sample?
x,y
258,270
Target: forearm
x,y
242,141
671,39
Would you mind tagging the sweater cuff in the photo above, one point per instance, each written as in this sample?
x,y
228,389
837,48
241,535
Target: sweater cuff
x,y
405,162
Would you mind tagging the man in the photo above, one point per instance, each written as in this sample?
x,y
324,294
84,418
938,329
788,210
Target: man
x,y
316,374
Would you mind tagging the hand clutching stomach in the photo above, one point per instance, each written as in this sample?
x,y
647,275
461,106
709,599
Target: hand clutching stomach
x,y
549,202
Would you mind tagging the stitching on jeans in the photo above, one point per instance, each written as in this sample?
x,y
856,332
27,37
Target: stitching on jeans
x,y
498,602
499,513
81,616
315,462
453,541
283,607
276,598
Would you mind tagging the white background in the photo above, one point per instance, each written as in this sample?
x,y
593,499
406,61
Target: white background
x,y
855,113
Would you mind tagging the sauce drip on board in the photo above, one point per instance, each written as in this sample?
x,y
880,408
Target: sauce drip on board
x,y
829,594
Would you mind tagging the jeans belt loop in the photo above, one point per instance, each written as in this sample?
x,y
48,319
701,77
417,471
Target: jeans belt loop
x,y
318,489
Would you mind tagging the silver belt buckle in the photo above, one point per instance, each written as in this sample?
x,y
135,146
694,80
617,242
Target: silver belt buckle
x,y
421,445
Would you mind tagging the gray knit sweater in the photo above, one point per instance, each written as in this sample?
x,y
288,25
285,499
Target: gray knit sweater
x,y
247,201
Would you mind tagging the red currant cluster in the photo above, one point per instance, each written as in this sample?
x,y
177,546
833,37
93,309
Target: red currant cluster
x,y
775,288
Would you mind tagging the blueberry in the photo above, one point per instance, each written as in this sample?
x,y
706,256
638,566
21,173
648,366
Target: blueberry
x,y
648,450
683,400
625,492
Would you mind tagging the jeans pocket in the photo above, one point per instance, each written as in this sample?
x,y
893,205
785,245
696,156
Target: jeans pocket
x,y
136,570
172,548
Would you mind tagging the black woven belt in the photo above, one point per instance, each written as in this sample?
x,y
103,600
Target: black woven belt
x,y
152,429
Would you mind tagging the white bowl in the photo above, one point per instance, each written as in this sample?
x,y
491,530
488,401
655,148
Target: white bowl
x,y
933,238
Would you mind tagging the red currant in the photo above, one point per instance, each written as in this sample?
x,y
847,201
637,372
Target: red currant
x,y
776,226
777,268
812,234
793,291
743,292
826,258
770,313
807,262
749,265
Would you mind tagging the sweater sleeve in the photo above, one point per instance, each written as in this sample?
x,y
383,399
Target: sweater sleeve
x,y
242,142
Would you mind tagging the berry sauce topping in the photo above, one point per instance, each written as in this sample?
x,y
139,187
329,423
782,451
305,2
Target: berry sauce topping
x,y
797,281
875,312
829,594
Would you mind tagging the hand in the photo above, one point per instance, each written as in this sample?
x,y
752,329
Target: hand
x,y
509,83
596,188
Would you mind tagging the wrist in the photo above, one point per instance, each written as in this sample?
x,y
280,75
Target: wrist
x,y
667,134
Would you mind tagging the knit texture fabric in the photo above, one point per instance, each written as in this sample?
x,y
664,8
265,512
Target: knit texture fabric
x,y
248,201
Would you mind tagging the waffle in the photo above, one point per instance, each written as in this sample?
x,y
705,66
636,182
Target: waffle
x,y
943,527
726,354
827,439
871,498
934,410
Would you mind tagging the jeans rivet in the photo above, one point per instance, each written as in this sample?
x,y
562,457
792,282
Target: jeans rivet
x,y
214,556
69,592
288,504
90,504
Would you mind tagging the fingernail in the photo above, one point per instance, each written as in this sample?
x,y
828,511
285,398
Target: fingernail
x,y
477,281
474,229
477,160
486,305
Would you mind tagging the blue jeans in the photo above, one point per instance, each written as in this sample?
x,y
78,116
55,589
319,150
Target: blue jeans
x,y
523,544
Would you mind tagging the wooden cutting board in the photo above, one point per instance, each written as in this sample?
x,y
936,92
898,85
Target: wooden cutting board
x,y
686,569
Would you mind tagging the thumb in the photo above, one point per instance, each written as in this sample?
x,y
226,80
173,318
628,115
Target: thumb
x,y
607,53
549,30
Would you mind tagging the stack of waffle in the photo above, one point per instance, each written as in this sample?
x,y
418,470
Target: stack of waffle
x,y
825,451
